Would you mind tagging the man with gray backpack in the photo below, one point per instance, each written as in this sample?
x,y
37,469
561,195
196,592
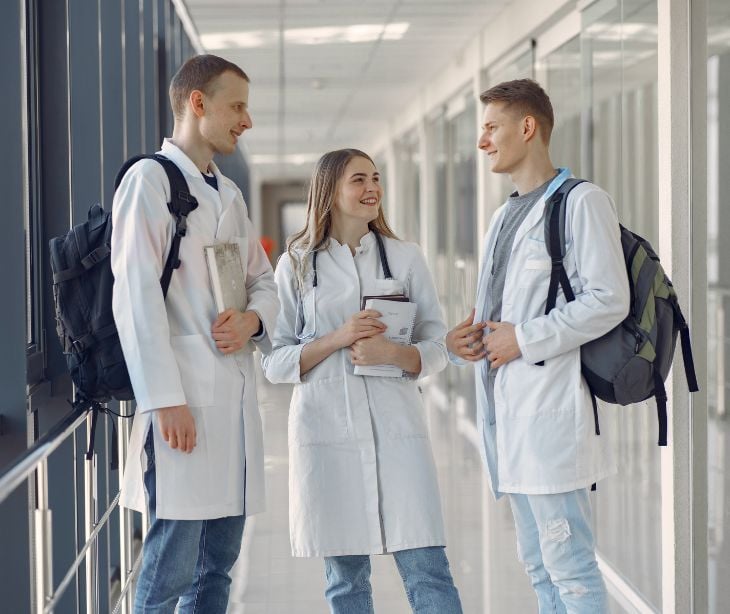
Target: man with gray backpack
x,y
569,307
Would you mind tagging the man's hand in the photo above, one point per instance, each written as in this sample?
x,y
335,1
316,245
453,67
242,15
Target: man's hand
x,y
177,427
501,344
233,329
465,340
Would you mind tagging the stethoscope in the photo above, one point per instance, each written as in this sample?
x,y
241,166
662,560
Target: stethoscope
x,y
381,251
302,329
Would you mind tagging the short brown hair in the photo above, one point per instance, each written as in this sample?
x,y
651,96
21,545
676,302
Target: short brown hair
x,y
524,97
197,74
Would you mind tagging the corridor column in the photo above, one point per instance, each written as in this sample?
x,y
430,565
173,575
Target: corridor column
x,y
683,230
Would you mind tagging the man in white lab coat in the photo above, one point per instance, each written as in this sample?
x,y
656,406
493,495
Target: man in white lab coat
x,y
539,439
196,451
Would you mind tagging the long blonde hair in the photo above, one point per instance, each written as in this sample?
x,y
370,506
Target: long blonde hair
x,y
320,202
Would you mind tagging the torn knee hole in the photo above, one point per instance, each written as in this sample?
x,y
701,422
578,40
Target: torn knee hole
x,y
558,530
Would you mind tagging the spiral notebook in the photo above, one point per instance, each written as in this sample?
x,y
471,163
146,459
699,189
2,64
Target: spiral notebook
x,y
399,316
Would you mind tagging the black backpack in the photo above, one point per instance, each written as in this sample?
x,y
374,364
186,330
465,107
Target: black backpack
x,y
82,293
630,362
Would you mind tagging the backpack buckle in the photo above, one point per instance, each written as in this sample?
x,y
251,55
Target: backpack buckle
x,y
82,343
182,226
557,262
191,203
95,257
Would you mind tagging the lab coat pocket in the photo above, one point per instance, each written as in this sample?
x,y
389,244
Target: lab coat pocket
x,y
529,390
318,413
397,407
535,272
197,368
388,287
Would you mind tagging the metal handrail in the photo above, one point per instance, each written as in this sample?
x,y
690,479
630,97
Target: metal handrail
x,y
63,585
127,585
32,465
28,462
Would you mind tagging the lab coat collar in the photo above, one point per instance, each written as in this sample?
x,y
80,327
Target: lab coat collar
x,y
535,215
226,190
366,242
179,157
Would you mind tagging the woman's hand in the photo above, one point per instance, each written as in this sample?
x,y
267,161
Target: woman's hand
x,y
376,350
362,325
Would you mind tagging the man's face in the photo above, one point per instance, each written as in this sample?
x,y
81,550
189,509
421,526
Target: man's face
x,y
503,138
359,191
225,114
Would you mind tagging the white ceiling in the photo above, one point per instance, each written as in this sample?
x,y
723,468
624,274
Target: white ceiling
x,y
316,91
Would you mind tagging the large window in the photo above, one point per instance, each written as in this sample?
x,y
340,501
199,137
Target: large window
x,y
718,301
620,47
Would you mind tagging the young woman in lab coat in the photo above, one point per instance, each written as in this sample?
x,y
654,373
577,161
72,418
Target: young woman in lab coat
x,y
362,478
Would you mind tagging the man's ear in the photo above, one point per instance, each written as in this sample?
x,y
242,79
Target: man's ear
x,y
196,103
529,128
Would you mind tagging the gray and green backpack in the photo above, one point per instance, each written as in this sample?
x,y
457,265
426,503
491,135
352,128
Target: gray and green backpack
x,y
629,363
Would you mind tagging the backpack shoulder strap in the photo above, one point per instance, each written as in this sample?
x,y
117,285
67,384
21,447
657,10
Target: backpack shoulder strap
x,y
689,363
555,242
181,204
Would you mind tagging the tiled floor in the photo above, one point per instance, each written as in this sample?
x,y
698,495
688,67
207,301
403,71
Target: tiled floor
x,y
480,534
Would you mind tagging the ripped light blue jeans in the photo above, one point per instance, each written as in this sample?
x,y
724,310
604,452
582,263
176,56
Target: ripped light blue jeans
x,y
555,543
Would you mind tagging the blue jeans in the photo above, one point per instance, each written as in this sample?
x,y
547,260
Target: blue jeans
x,y
426,577
555,544
186,563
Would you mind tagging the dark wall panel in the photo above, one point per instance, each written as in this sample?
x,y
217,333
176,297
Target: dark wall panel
x,y
113,121
14,585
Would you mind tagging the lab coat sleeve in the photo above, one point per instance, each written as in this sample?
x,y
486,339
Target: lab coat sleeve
x,y
261,288
140,240
603,301
429,330
281,362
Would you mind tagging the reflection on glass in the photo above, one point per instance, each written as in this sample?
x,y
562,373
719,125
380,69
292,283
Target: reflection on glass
x,y
718,303
408,190
463,258
559,74
619,59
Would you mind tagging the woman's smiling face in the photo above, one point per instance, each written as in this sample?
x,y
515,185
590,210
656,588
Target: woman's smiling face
x,y
359,192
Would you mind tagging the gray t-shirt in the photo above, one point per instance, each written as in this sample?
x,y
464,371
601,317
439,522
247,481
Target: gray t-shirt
x,y
517,209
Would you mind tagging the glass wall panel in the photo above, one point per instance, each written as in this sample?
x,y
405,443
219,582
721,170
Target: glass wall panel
x,y
618,151
718,303
559,74
408,190
437,137
522,66
462,271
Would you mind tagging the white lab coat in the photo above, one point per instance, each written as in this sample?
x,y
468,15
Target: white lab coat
x,y
169,350
540,436
362,478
